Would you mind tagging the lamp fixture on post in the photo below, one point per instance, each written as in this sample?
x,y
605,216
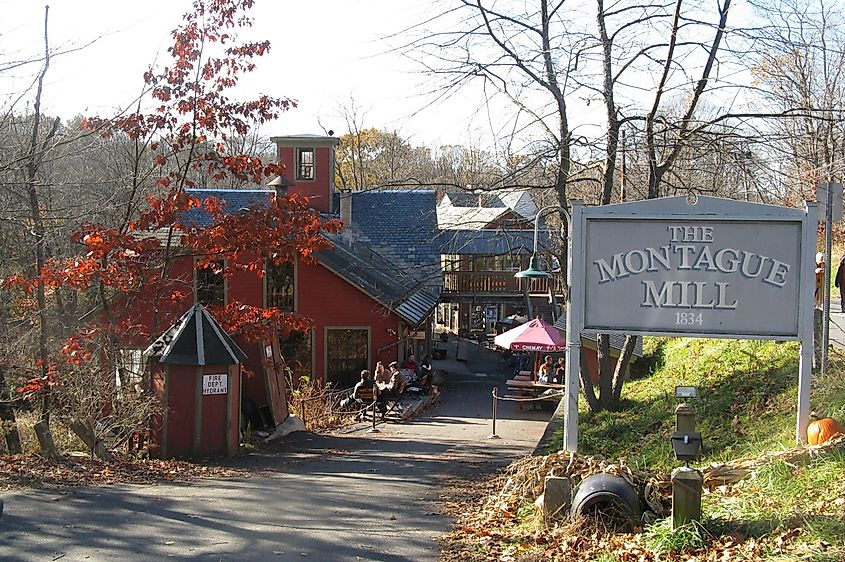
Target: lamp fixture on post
x,y
534,270
573,323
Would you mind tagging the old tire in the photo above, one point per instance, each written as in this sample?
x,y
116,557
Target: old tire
x,y
606,494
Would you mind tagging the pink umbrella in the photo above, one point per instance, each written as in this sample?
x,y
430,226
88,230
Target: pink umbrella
x,y
536,335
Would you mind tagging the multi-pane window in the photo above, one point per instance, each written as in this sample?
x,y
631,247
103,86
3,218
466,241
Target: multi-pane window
x,y
305,163
280,286
210,284
347,353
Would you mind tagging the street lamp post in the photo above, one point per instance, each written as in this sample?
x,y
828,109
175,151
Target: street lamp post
x,y
573,323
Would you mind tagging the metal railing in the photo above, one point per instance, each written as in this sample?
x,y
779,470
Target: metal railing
x,y
497,398
327,406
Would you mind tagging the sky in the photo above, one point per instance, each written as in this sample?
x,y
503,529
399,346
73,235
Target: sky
x,y
324,54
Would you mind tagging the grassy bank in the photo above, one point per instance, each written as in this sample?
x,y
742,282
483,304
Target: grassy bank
x,y
747,401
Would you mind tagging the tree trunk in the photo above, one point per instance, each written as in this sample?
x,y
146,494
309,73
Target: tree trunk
x,y
45,440
620,375
33,164
587,385
7,417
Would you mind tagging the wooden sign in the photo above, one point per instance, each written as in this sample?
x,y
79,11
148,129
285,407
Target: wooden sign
x,y
215,384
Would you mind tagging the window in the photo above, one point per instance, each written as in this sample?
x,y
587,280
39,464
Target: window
x,y
296,350
347,354
210,284
305,163
280,286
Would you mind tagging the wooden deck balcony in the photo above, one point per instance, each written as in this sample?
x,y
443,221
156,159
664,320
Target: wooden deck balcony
x,y
496,283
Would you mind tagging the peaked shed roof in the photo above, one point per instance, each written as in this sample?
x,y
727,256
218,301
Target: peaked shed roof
x,y
196,339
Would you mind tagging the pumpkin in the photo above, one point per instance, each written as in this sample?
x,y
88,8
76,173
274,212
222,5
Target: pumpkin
x,y
820,430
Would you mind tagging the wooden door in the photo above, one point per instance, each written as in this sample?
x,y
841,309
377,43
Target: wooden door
x,y
274,379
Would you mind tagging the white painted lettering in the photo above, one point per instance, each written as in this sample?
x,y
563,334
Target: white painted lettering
x,y
721,291
611,272
746,262
630,262
777,274
662,258
727,264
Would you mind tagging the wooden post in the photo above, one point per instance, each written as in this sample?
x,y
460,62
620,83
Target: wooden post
x,y
557,497
95,446
685,418
686,496
7,417
45,439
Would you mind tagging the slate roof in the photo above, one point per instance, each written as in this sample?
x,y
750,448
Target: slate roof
x,y
460,218
400,271
236,199
196,339
489,242
520,201
616,340
401,226
410,297
465,199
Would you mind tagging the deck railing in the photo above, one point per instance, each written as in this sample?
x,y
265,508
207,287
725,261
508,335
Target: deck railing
x,y
496,282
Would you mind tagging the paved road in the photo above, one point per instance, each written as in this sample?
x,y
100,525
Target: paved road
x,y
357,496
837,325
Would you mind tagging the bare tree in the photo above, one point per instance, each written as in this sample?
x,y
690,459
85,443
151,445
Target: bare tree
x,y
540,57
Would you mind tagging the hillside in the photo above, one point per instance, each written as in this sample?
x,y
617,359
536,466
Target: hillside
x,y
789,505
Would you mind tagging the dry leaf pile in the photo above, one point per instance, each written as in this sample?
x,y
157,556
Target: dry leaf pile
x,y
489,529
33,470
523,481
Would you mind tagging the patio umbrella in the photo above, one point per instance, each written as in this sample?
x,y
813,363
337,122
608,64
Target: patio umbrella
x,y
511,321
536,335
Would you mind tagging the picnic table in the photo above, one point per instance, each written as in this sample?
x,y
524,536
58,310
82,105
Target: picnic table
x,y
540,387
521,388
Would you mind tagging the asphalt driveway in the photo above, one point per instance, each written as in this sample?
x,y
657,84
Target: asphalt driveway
x,y
353,496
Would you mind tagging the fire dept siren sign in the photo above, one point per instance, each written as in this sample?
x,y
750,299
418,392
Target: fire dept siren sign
x,y
709,267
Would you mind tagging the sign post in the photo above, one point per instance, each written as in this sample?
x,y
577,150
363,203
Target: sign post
x,y
710,267
829,197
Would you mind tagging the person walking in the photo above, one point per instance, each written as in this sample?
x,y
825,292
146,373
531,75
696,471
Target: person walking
x,y
839,281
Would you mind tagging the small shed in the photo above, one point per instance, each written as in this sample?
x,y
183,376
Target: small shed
x,y
196,373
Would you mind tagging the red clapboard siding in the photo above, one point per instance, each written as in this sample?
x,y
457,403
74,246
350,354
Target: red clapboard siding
x,y
332,302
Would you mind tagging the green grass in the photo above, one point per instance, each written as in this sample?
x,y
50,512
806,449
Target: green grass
x,y
746,406
661,538
780,497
